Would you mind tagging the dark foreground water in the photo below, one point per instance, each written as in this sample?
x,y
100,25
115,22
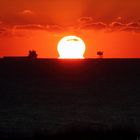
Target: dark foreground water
x,y
51,97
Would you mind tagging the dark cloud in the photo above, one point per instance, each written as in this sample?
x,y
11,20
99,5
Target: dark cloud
x,y
18,30
5,32
93,26
117,25
119,18
50,28
27,12
85,19
2,30
129,27
29,27
87,24
134,24
132,27
55,28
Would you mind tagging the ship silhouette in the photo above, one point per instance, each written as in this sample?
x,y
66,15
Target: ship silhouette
x,y
32,55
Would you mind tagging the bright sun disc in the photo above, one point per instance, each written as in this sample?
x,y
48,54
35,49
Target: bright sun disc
x,y
71,47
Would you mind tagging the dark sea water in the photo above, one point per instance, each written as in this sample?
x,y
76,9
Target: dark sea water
x,y
52,96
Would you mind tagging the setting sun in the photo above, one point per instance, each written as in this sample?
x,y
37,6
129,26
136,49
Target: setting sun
x,y
71,47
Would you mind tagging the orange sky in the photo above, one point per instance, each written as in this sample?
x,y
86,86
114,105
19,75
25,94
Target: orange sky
x,y
112,26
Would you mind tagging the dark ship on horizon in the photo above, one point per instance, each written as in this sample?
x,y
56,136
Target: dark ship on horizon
x,y
32,55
